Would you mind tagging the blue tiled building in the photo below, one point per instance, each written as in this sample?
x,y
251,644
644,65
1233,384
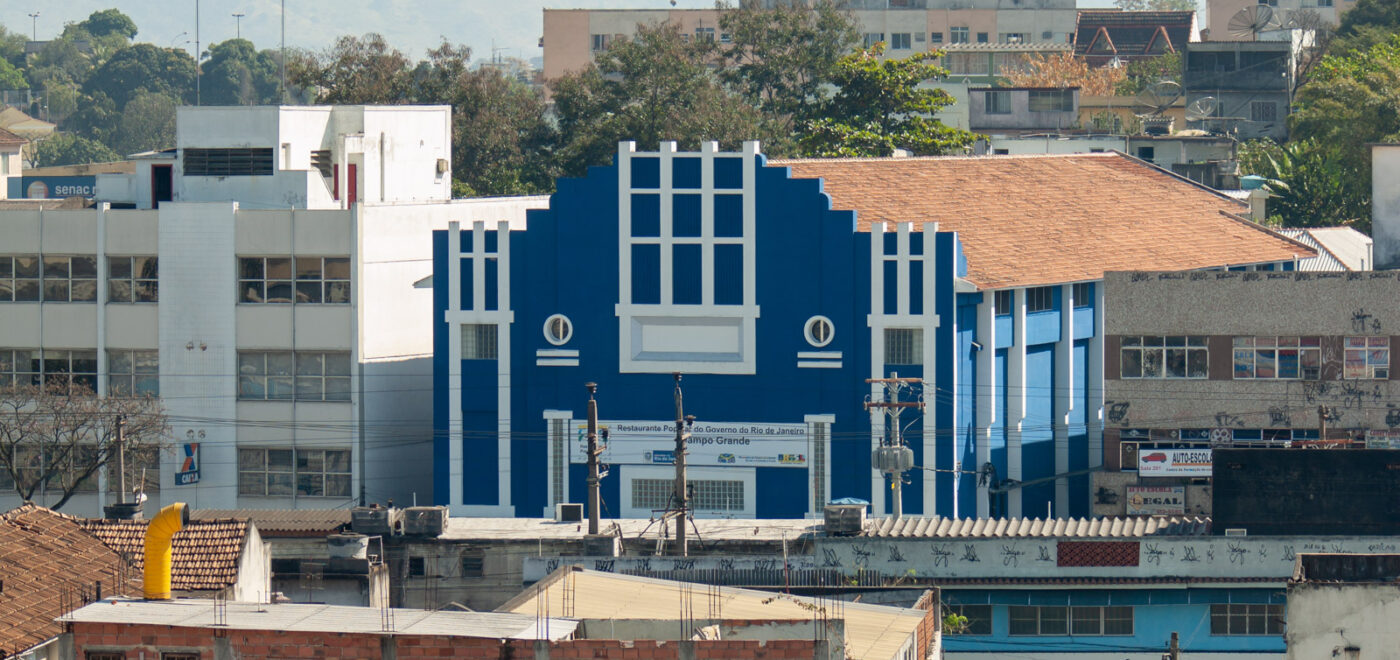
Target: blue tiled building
x,y
778,290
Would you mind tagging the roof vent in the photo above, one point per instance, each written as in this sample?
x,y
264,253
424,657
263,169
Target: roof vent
x,y
844,519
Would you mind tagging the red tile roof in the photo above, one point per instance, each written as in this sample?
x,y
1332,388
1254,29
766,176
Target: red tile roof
x,y
8,138
1037,220
207,553
48,564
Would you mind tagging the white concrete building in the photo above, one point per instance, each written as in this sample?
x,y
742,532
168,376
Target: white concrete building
x,y
269,300
11,162
1344,606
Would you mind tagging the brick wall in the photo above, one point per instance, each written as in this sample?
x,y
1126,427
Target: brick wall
x,y
258,644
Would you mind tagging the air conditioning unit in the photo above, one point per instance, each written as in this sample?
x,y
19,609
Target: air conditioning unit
x,y
424,520
568,512
443,166
1237,531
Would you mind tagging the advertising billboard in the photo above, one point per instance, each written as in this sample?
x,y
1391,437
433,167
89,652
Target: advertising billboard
x,y
1174,462
1156,500
719,444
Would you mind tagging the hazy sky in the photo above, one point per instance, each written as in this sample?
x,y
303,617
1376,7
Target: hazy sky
x,y
410,25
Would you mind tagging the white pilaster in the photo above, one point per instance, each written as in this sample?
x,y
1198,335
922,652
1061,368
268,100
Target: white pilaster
x,y
877,359
931,324
1064,401
1015,398
503,380
454,364
986,390
1093,382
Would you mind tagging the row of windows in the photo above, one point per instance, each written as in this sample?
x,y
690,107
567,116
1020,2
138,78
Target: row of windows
x,y
294,279
956,35
1225,619
705,494
294,375
32,278
129,372
1041,298
1255,358
32,461
307,472
1039,100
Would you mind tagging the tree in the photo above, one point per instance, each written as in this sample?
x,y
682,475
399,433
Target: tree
x,y
71,149
237,74
1141,74
362,70
780,54
1156,5
55,438
108,22
1309,187
147,124
1349,102
655,86
501,141
879,107
144,67
59,61
10,77
1063,70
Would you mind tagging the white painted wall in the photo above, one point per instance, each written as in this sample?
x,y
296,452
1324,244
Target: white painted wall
x,y
1385,204
1325,619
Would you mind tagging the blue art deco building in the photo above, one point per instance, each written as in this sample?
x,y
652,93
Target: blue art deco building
x,y
778,289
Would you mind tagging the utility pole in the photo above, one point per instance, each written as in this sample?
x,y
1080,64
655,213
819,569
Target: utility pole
x,y
682,501
1173,649
1323,414
892,457
196,52
121,459
282,79
593,451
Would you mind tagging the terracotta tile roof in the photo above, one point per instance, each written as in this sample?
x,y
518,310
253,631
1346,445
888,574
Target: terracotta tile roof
x,y
1037,220
283,522
8,138
1089,528
206,555
47,562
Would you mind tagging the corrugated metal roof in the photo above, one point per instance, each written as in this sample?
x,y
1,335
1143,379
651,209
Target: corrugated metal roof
x,y
873,632
1338,248
939,527
199,613
531,529
1000,47
282,522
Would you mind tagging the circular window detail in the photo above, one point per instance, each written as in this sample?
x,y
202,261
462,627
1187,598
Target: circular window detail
x,y
819,331
558,329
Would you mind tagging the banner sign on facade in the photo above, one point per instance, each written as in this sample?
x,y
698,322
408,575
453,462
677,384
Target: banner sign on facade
x,y
1156,501
720,444
189,465
1174,462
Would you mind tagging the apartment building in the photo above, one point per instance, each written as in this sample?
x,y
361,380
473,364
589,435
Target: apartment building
x,y
1305,14
259,278
572,36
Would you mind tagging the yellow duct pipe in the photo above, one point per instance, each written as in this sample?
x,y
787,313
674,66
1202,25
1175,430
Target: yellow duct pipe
x,y
159,549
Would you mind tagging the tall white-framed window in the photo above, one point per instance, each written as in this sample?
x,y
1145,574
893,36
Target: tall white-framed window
x,y
686,260
819,461
558,429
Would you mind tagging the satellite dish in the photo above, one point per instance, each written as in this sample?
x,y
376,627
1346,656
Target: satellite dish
x,y
1157,98
1202,108
1247,23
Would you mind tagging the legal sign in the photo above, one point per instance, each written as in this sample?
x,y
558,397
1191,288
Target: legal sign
x,y
722,444
1174,462
1156,500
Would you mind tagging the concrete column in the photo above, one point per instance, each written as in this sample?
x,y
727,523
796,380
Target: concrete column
x,y
985,397
1064,399
1093,382
1015,398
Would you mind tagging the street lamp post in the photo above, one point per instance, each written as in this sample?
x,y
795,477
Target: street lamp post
x,y
238,25
34,26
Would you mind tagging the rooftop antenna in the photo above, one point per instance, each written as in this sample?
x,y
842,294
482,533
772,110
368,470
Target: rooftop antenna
x,y
1202,109
1247,23
1152,102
